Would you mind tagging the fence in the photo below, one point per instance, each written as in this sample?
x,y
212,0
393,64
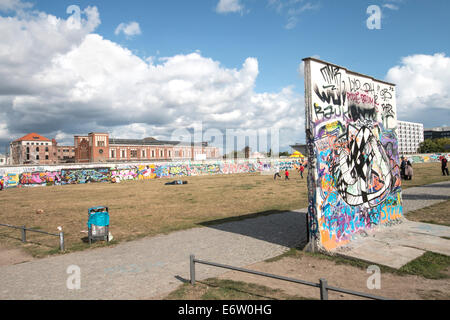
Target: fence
x,y
24,230
322,285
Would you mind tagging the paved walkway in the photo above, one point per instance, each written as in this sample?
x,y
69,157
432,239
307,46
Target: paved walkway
x,y
154,266
398,244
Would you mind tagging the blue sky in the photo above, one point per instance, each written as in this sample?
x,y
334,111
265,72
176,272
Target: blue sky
x,y
257,42
334,30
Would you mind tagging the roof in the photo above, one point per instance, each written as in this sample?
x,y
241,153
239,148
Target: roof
x,y
150,142
33,137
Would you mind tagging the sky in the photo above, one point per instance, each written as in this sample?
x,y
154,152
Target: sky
x,y
171,68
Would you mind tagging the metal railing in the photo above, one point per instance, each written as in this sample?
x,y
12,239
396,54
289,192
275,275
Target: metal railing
x,y
24,230
322,285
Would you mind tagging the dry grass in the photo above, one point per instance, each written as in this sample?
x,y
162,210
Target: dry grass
x,y
217,289
146,208
436,214
425,173
142,208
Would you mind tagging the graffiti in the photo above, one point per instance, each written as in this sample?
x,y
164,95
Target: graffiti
x,y
40,179
354,182
10,180
82,176
46,176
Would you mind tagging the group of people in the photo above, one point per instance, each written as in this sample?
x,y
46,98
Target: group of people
x,y
300,169
406,169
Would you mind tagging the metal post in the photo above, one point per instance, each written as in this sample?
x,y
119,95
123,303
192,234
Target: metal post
x,y
24,234
61,241
323,289
192,264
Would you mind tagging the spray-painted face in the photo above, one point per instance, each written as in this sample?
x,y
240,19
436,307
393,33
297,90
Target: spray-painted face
x,y
361,170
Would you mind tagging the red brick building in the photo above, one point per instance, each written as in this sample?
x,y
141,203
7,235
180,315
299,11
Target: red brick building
x,y
36,149
98,147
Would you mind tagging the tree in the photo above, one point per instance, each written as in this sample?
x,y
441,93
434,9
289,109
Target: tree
x,y
430,146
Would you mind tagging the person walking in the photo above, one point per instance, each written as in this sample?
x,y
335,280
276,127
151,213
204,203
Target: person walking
x,y
302,169
286,174
277,173
444,165
409,172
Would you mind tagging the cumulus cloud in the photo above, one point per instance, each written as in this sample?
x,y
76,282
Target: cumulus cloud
x,y
129,29
227,6
423,88
62,82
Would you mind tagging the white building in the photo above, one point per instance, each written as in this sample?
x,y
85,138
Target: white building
x,y
410,136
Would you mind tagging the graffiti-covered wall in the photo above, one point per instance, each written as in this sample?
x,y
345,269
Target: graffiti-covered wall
x,y
80,174
354,180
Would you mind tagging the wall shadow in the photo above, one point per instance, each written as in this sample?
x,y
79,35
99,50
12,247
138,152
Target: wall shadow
x,y
285,228
438,185
425,196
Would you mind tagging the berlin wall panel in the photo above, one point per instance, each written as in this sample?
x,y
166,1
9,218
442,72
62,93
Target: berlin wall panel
x,y
354,178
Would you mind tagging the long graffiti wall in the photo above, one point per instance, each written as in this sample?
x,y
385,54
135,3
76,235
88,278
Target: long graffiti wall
x,y
354,180
80,174
427,158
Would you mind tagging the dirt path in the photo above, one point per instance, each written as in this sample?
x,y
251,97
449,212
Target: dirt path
x,y
344,276
10,256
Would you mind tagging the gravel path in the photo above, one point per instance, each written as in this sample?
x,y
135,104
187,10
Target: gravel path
x,y
420,197
155,266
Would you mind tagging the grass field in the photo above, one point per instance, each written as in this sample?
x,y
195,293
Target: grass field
x,y
435,214
146,208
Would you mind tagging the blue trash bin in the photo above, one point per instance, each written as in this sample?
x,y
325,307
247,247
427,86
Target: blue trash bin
x,y
98,224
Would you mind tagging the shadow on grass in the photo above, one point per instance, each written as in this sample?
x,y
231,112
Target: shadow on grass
x,y
281,227
437,185
33,242
425,197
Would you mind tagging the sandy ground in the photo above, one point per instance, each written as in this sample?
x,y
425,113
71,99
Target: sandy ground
x,y
342,276
10,256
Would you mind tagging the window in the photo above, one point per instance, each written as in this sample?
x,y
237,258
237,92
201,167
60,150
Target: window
x,y
37,157
100,143
46,157
46,149
134,153
143,154
124,155
170,154
37,149
113,154
161,153
153,153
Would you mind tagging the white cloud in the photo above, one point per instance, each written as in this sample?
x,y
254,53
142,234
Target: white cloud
x,y
423,88
13,5
390,6
62,82
227,6
129,29
292,9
